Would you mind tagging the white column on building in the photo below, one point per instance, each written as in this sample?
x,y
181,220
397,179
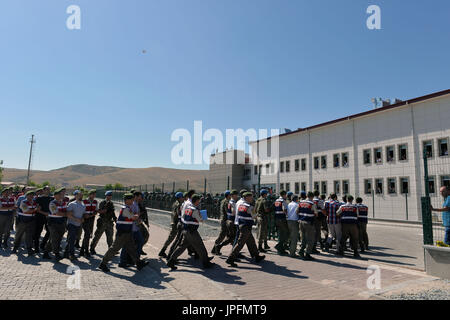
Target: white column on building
x,y
355,162
310,170
417,179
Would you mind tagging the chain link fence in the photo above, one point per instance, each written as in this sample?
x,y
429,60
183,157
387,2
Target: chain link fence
x,y
437,175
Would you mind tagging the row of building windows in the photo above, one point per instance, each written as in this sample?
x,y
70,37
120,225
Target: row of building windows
x,y
442,147
369,155
375,185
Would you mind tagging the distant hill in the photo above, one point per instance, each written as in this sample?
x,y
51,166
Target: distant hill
x,y
82,174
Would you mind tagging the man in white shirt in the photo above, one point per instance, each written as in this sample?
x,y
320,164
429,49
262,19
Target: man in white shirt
x,y
292,221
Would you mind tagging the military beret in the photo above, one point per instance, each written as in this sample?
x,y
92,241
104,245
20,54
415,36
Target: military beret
x,y
179,195
31,192
247,194
132,190
290,193
58,191
4,190
185,194
108,193
234,191
282,193
76,192
263,191
92,191
227,193
128,196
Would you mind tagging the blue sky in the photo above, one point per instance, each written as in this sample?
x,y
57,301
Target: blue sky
x,y
92,96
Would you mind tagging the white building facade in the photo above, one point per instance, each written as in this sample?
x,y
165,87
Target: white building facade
x,y
376,155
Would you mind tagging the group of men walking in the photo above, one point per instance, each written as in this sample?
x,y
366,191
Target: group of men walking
x,y
34,210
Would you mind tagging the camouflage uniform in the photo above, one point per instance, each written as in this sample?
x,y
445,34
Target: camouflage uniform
x,y
223,228
262,207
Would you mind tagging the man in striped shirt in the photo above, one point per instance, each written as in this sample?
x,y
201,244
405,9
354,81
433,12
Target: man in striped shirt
x,y
334,223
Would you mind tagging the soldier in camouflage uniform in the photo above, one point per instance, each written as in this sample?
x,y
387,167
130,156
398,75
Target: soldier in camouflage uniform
x,y
262,209
105,222
175,224
223,225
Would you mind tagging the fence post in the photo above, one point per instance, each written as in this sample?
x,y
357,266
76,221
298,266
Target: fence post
x,y
173,189
228,182
373,203
187,185
406,199
204,193
162,188
427,221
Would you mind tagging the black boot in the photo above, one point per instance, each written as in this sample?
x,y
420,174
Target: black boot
x,y
259,258
308,257
66,254
208,265
171,265
261,249
162,254
141,264
86,253
103,267
46,256
231,262
81,252
266,246
92,251
30,252
14,250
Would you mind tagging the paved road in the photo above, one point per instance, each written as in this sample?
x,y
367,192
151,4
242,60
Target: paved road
x,y
396,244
278,277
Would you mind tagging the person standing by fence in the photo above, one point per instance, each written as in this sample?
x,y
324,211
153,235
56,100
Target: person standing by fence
x,y
445,213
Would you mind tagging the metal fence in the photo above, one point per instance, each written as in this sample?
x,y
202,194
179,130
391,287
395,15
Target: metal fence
x,y
436,175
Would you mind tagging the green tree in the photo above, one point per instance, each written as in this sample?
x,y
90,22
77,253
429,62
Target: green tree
x,y
109,186
117,186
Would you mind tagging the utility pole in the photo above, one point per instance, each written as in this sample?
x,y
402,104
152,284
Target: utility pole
x,y
32,141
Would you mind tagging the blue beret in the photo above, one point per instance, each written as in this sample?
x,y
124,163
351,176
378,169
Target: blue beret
x,y
179,195
290,193
108,193
227,193
263,191
303,193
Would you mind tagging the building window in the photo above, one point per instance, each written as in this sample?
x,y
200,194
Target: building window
x,y
390,154
316,162
366,156
404,185
288,166
336,159
267,168
297,188
428,148
323,162
368,186
303,186
260,169
443,147
337,187
377,155
316,186
288,187
281,166
392,188
445,181
431,185
324,187
256,170
345,187
403,152
281,186
297,165
345,159
379,186
303,164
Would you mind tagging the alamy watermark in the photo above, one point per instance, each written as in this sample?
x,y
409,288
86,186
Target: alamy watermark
x,y
74,280
374,280
73,21
190,148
